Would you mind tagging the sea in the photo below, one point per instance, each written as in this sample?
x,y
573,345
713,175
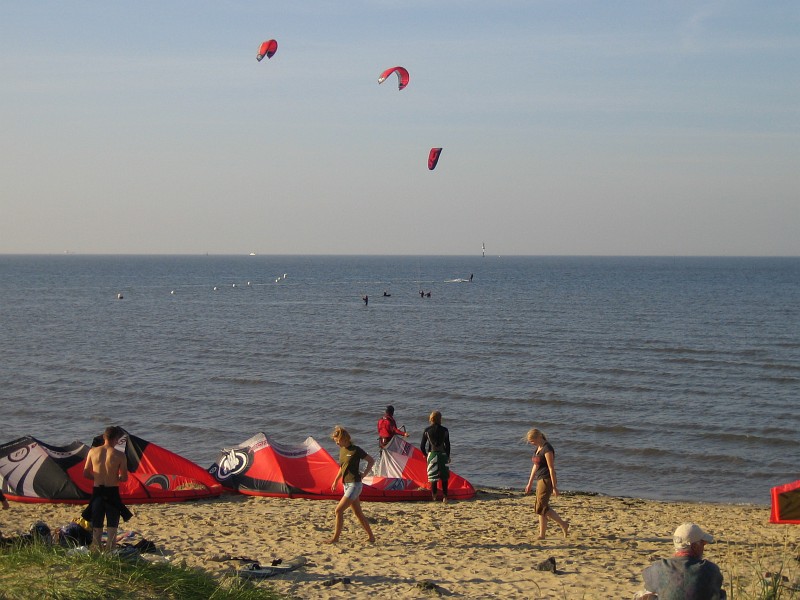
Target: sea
x,y
653,377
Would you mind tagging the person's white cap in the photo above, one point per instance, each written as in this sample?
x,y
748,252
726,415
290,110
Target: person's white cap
x,y
689,533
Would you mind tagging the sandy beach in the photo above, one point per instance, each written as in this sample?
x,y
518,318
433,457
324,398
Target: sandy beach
x,y
482,548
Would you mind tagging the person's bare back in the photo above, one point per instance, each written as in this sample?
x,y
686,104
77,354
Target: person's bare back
x,y
105,465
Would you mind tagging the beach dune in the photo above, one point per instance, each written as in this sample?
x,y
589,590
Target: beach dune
x,y
482,548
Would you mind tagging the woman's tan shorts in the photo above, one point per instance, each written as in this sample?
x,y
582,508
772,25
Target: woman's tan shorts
x,y
544,489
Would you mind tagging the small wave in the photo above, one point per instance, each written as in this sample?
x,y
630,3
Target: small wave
x,y
754,440
682,350
254,381
782,380
187,428
780,367
619,429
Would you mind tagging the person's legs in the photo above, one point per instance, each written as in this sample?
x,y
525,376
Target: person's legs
x,y
542,526
444,490
356,506
98,511
112,522
339,518
433,490
111,543
551,514
97,539
543,491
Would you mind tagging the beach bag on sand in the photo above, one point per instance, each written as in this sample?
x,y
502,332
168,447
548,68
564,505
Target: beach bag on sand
x,y
40,532
73,534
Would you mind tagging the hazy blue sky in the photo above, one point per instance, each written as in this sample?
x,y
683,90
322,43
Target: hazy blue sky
x,y
641,127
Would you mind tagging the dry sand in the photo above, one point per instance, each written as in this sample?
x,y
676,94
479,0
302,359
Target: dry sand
x,y
482,548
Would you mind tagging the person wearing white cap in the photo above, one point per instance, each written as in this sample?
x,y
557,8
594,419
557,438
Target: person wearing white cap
x,y
686,575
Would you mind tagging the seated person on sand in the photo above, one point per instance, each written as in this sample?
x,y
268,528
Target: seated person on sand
x,y
106,467
686,574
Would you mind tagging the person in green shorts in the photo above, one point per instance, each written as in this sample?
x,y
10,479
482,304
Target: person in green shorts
x,y
436,446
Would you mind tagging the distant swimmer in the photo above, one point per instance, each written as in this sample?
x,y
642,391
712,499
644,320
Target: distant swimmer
x,y
421,294
386,294
119,296
365,299
427,294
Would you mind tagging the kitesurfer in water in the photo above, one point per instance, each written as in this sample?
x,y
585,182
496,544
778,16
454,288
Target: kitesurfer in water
x,y
544,472
107,467
365,299
436,446
387,428
350,457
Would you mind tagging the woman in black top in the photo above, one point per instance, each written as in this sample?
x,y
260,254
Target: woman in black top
x,y
544,473
436,445
350,474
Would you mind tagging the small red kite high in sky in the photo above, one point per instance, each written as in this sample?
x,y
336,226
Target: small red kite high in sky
x,y
268,49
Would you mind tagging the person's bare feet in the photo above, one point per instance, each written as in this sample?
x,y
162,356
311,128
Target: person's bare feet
x,y
444,500
331,541
371,539
565,528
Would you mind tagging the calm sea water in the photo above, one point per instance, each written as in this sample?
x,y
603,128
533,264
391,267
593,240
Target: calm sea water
x,y
665,378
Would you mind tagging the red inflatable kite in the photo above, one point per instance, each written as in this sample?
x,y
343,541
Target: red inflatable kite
x,y
32,471
268,49
402,76
433,158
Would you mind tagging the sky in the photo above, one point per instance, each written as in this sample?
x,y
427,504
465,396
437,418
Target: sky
x,y
568,127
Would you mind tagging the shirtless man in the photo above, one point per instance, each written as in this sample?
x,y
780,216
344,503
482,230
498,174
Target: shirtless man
x,y
106,467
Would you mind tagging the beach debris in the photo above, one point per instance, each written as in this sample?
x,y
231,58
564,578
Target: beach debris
x,y
254,570
224,557
773,582
548,564
428,586
334,580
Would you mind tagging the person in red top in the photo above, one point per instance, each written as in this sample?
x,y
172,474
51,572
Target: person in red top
x,y
387,428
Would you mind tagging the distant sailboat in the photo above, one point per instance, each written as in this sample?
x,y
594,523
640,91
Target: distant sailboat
x,y
252,254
